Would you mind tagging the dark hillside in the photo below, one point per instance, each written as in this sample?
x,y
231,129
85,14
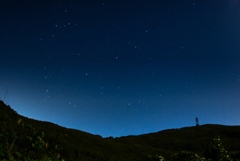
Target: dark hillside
x,y
189,138
78,145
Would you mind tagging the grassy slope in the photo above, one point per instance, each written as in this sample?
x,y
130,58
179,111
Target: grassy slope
x,y
79,145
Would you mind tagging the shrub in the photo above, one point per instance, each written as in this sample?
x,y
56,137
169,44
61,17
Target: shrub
x,y
187,156
216,151
22,142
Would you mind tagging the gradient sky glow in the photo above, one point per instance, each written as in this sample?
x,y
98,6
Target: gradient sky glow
x,y
122,67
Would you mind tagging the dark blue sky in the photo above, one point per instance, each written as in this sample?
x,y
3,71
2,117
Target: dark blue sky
x,y
118,68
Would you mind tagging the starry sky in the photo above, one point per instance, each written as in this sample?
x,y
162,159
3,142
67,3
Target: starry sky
x,y
120,67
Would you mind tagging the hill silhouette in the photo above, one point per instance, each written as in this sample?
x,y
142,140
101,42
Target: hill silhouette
x,y
70,144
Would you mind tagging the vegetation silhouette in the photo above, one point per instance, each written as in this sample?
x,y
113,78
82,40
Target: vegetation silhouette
x,y
22,139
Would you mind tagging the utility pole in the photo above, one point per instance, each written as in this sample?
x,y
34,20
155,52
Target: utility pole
x,y
196,119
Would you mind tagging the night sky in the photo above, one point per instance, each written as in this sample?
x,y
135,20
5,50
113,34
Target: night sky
x,y
121,67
